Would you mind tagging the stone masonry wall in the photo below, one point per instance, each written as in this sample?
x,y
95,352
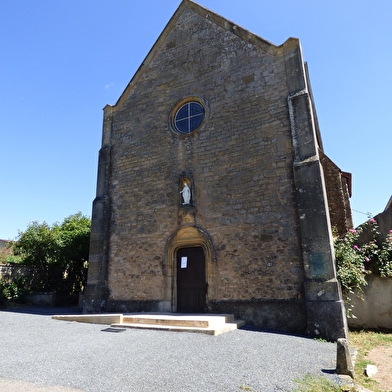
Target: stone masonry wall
x,y
240,160
338,196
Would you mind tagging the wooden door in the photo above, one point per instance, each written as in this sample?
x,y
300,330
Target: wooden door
x,y
191,280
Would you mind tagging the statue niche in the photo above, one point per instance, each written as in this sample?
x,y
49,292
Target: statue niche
x,y
186,194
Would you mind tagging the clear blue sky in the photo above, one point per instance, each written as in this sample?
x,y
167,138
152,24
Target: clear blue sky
x,y
62,61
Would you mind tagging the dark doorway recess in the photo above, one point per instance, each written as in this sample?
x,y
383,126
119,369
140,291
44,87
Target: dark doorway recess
x,y
191,280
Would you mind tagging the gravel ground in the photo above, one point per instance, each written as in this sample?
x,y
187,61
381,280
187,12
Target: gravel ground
x,y
40,354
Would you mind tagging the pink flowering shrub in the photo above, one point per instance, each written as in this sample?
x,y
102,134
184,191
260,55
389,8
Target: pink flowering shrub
x,y
354,260
384,262
350,263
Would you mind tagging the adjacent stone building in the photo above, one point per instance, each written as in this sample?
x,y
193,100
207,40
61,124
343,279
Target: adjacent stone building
x,y
211,194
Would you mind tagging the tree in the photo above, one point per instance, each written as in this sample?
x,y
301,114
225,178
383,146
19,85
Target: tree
x,y
74,240
60,253
37,245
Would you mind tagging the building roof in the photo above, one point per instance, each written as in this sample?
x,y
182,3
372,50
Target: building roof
x,y
389,204
3,243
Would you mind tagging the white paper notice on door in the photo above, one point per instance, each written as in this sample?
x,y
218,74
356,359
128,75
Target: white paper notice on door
x,y
184,262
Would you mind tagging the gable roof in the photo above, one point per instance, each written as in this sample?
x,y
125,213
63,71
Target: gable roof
x,y
268,47
389,204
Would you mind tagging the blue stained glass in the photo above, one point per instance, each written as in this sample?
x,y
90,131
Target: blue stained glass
x,y
182,126
189,117
182,113
195,121
196,109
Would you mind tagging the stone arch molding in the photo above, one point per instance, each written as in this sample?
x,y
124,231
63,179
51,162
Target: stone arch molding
x,y
186,236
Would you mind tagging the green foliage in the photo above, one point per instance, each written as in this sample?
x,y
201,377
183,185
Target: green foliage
x,y
14,290
311,383
13,259
59,253
37,245
355,259
246,387
350,262
74,239
384,261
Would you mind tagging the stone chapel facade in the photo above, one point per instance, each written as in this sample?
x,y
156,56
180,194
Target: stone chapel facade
x,y
211,192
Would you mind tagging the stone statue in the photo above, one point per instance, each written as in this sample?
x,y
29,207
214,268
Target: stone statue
x,y
186,194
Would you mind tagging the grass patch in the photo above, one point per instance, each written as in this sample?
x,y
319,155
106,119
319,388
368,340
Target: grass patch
x,y
364,341
246,387
312,383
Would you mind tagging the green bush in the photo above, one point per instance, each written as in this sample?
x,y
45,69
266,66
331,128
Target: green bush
x,y
57,253
355,259
14,290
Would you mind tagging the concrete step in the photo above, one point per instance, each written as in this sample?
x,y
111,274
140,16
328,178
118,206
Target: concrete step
x,y
107,319
215,330
180,320
175,322
213,324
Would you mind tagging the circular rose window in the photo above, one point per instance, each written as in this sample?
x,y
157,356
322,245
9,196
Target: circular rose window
x,y
188,117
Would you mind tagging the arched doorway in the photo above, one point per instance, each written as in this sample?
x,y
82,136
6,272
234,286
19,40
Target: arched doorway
x,y
189,251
